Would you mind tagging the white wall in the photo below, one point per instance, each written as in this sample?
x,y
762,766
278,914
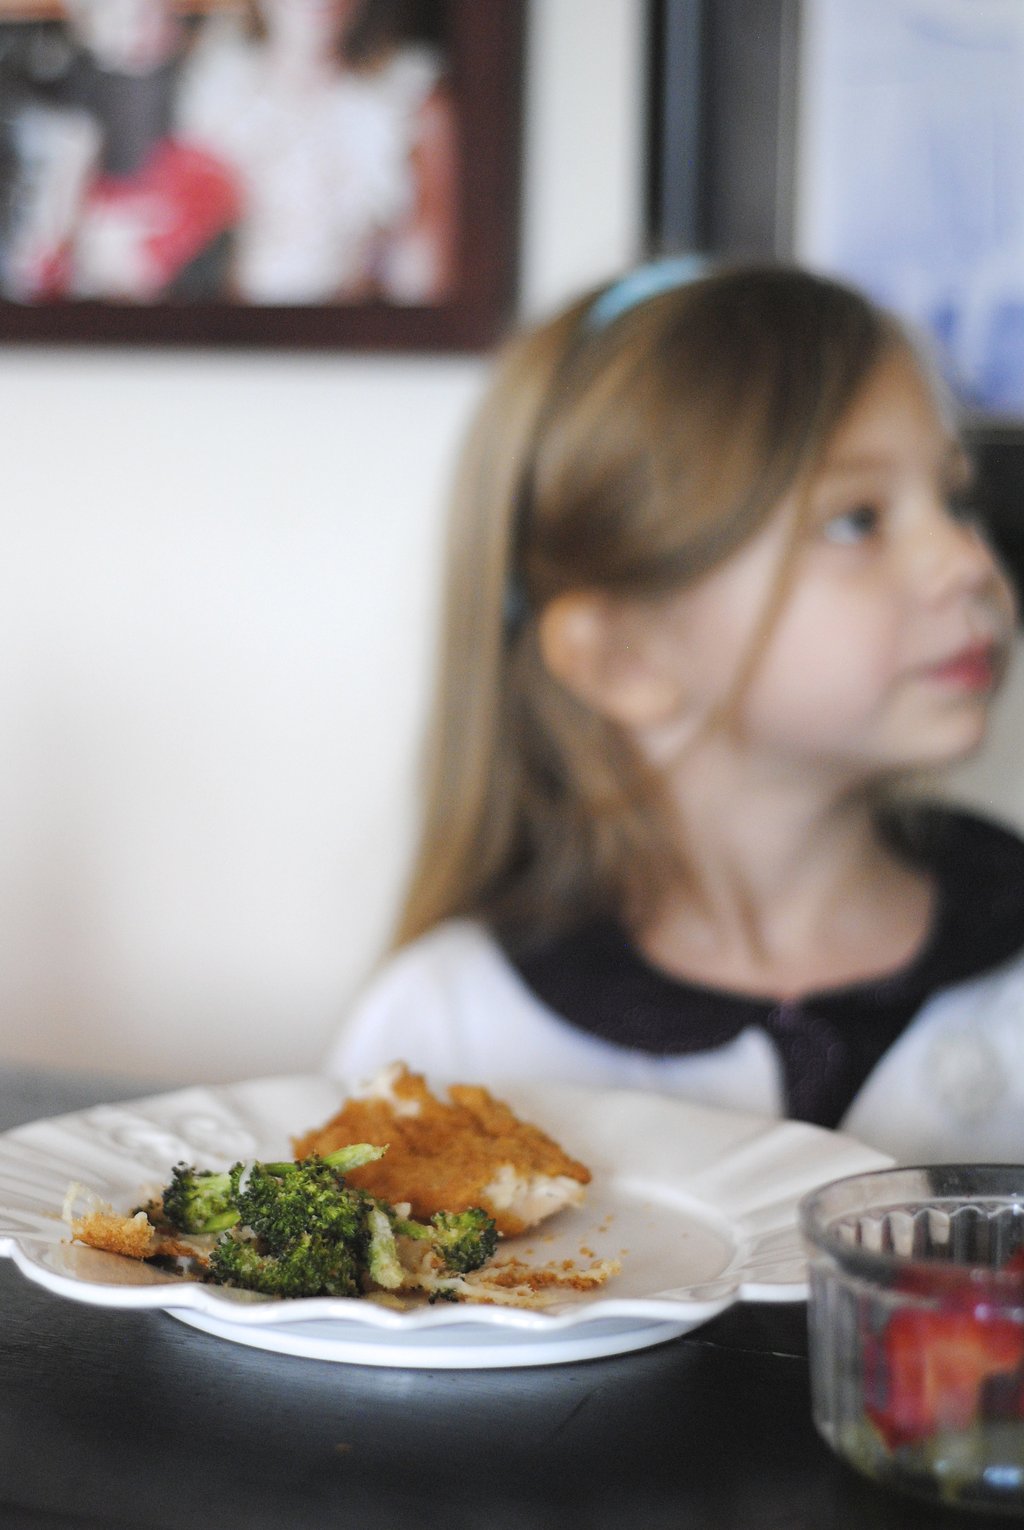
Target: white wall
x,y
217,593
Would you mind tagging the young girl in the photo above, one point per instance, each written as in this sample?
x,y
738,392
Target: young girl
x,y
713,600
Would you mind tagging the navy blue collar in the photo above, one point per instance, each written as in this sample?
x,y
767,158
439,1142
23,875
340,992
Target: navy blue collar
x,y
595,979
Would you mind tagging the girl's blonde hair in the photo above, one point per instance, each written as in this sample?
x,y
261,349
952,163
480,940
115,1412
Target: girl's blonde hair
x,y
630,458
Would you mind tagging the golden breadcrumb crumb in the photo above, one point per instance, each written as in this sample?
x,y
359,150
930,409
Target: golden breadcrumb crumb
x,y
135,1237
514,1284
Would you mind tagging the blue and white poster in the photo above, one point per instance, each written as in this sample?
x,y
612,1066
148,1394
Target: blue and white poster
x,y
910,179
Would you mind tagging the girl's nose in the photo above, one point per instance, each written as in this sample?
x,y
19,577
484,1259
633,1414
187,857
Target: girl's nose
x,y
954,556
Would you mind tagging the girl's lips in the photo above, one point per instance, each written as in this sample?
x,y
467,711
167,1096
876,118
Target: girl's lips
x,y
972,669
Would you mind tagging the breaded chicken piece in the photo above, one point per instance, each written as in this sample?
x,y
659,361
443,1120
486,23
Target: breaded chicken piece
x,y
470,1150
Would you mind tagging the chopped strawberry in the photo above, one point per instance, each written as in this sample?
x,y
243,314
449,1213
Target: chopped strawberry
x,y
930,1366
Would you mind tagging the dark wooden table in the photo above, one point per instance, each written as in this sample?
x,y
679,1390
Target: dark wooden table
x,y
115,1419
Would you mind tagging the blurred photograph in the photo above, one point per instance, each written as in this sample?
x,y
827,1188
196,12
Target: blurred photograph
x,y
250,152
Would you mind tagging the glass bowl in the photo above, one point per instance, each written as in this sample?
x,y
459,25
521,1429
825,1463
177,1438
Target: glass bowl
x,y
916,1329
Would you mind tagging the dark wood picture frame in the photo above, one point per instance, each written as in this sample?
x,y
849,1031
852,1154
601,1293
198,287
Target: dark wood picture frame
x,y
722,139
484,67
721,181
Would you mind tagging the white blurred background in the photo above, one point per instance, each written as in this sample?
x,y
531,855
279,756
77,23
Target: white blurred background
x,y
218,589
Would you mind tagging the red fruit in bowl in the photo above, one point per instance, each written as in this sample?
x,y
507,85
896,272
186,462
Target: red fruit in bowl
x,y
929,1366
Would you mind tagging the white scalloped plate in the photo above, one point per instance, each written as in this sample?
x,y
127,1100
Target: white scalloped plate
x,y
698,1204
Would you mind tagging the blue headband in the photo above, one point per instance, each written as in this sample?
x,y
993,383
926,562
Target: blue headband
x,y
643,282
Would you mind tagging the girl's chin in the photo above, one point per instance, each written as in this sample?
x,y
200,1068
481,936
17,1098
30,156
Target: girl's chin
x,y
958,745
941,746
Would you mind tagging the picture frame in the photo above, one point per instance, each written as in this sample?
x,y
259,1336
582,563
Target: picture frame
x,y
724,161
360,305
722,139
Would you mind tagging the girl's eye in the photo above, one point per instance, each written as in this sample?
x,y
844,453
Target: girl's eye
x,y
852,526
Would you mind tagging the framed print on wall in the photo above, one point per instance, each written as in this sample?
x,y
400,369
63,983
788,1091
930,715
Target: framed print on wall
x,y
879,141
298,173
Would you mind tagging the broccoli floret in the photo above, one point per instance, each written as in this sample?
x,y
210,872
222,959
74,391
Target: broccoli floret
x,y
310,1266
199,1201
464,1240
297,1229
289,1229
203,1201
281,1203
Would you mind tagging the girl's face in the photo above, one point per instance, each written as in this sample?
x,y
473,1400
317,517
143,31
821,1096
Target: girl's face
x,y
891,633
126,36
310,28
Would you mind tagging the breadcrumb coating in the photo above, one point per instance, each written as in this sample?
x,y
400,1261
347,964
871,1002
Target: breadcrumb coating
x,y
471,1150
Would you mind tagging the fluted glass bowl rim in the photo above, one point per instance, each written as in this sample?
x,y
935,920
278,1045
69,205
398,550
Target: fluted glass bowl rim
x,y
946,1186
